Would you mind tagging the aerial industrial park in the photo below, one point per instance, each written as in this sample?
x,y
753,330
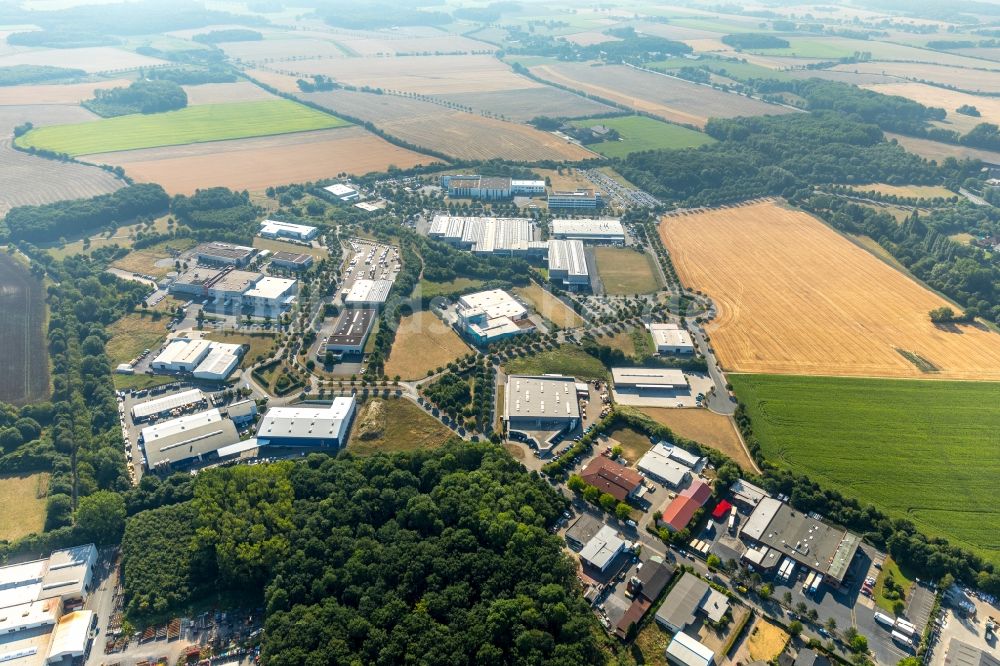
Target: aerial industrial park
x,y
499,333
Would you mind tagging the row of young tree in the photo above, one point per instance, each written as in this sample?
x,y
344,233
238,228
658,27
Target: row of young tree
x,y
430,557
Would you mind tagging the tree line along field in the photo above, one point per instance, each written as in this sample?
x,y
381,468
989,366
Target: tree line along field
x,y
642,133
23,355
194,124
662,96
456,134
927,451
796,297
974,80
259,162
949,100
938,151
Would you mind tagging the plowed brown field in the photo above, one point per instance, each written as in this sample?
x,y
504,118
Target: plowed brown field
x,y
796,297
257,163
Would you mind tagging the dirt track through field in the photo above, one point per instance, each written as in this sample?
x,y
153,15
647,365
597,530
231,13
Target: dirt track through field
x,y
796,297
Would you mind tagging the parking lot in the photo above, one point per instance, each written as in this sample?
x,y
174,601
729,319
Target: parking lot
x,y
969,628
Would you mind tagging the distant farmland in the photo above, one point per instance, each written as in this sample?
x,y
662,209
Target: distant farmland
x,y
260,162
23,355
642,133
662,96
194,124
927,451
455,133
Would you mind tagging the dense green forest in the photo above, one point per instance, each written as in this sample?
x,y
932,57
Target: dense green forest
x,y
49,222
141,96
192,76
753,40
20,74
775,155
217,212
439,557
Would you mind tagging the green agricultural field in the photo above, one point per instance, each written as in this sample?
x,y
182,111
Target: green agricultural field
x,y
194,124
928,451
642,133
733,69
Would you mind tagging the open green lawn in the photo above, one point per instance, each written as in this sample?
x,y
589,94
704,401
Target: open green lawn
x,y
625,271
928,451
564,360
194,124
642,133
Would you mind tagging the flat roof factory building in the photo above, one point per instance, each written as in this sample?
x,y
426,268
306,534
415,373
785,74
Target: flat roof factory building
x,y
34,599
368,293
689,597
590,230
308,426
568,263
654,379
343,192
575,199
684,650
351,331
661,466
276,229
293,261
603,548
671,339
488,316
489,235
212,361
187,438
809,541
157,406
540,403
224,254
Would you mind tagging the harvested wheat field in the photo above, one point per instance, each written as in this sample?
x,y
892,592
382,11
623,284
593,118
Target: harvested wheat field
x,y
455,133
284,82
426,75
70,93
796,297
260,162
423,342
949,100
975,80
28,180
706,428
908,191
223,93
935,150
663,96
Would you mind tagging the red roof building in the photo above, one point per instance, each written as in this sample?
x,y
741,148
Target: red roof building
x,y
610,477
682,508
721,510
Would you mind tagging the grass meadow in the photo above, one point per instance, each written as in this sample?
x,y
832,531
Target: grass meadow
x,y
642,133
194,124
626,271
928,451
564,360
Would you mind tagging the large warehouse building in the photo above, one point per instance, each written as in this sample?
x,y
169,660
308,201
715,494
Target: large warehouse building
x,y
488,316
205,359
589,230
224,254
185,400
187,439
308,426
545,403
351,331
568,263
809,541
489,235
276,229
367,293
233,291
650,379
37,622
490,188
